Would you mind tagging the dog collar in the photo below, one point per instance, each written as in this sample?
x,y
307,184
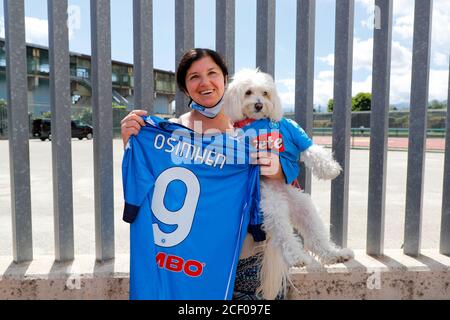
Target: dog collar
x,y
211,112
243,123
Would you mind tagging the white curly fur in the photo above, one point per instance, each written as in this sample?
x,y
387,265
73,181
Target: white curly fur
x,y
321,162
239,105
284,206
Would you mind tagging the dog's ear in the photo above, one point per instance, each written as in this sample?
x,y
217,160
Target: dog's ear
x,y
233,102
277,112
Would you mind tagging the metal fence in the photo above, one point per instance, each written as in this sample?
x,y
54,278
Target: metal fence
x,y
265,59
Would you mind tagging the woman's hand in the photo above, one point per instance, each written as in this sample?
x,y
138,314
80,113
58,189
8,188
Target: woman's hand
x,y
269,164
131,124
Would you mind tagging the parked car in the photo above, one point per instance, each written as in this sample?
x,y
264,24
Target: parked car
x,y
42,129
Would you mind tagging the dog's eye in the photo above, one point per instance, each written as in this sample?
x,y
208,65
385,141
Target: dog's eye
x,y
248,92
265,93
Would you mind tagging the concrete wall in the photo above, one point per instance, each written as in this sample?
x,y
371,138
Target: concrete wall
x,y
161,104
393,276
39,98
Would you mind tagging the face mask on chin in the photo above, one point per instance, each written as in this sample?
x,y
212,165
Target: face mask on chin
x,y
211,112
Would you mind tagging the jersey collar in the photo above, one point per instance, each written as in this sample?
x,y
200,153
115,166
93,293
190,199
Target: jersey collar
x,y
242,123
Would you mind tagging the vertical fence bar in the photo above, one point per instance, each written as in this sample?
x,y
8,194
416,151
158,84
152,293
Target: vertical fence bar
x,y
59,60
417,125
379,122
18,124
304,76
444,246
184,40
225,31
102,120
143,55
265,36
342,95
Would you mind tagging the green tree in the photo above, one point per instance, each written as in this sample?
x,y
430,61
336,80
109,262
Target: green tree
x,y
330,105
85,115
362,101
3,108
47,115
435,104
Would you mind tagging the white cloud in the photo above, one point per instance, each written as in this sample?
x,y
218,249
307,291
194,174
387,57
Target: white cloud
x,y
438,85
366,3
400,7
328,59
403,22
401,66
401,55
368,22
362,86
440,59
403,26
400,87
401,58
323,88
441,24
403,8
286,91
362,55
326,75
36,30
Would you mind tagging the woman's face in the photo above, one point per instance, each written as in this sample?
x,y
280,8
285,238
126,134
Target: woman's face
x,y
205,82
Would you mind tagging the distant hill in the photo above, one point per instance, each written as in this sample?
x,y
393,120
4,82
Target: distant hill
x,y
402,105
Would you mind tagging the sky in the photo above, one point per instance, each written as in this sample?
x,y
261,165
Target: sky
x,y
245,52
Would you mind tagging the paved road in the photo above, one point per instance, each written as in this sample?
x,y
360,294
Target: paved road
x,y
41,188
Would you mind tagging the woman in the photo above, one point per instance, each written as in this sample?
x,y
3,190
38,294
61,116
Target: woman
x,y
202,75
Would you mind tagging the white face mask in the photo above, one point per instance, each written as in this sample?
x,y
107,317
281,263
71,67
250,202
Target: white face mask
x,y
211,112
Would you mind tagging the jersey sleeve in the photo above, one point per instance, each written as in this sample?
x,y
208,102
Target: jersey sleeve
x,y
298,135
299,141
136,178
256,215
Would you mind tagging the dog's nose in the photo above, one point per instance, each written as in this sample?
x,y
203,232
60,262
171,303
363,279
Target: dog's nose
x,y
258,106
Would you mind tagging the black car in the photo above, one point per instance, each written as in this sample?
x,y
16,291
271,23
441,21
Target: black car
x,y
42,129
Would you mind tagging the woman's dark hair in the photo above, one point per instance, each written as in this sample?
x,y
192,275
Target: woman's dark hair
x,y
193,55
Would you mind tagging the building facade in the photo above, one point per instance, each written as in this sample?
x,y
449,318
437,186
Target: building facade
x,y
80,76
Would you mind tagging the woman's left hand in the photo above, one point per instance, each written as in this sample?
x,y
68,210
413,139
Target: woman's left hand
x,y
270,164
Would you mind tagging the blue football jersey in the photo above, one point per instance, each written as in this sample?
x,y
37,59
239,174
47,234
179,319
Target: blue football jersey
x,y
188,198
285,137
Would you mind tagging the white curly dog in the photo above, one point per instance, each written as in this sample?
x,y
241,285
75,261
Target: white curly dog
x,y
252,94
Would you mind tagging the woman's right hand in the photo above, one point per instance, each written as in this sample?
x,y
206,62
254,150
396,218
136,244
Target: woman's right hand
x,y
131,124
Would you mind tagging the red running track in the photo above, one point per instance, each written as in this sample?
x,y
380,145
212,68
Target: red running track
x,y
394,143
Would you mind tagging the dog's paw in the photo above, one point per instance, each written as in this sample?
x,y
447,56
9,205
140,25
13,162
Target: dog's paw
x,y
303,260
337,256
328,171
334,170
321,162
